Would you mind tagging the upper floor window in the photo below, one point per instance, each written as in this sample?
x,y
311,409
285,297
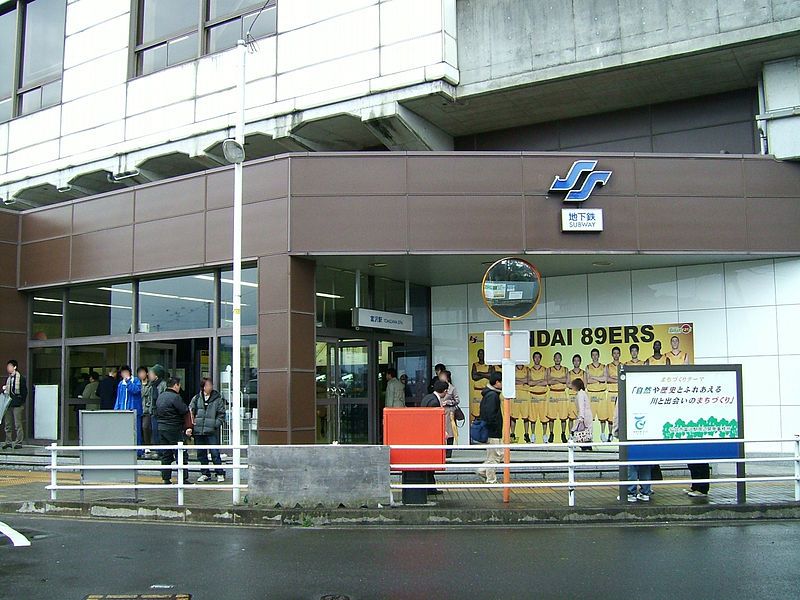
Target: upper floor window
x,y
175,31
32,56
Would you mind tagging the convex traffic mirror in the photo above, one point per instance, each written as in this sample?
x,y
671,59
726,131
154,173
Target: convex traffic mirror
x,y
511,288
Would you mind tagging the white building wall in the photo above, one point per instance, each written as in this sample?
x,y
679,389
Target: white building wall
x,y
324,52
743,312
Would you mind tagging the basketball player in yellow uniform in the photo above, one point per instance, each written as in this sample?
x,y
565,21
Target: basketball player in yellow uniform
x,y
596,388
634,350
657,358
558,402
538,387
480,379
677,356
520,404
569,409
612,380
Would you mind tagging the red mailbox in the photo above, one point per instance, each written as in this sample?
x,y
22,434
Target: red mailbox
x,y
414,426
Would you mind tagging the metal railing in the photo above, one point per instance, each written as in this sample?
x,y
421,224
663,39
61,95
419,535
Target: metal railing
x,y
180,464
572,465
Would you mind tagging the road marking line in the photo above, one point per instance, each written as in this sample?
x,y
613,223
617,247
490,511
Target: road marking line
x,y
15,536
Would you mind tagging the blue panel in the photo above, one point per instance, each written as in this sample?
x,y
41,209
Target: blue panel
x,y
683,451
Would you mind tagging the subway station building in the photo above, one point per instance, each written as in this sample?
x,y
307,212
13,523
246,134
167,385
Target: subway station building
x,y
395,149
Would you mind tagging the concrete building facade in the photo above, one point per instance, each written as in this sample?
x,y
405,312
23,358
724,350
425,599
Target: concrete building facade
x,y
395,148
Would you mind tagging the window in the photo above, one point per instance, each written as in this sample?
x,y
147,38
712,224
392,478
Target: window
x,y
100,310
30,75
249,298
47,313
175,31
176,303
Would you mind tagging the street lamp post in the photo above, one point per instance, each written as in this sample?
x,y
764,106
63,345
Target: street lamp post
x,y
234,152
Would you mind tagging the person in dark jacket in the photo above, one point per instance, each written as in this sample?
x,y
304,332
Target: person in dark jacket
x,y
208,408
157,376
171,411
436,370
107,390
493,417
435,400
13,420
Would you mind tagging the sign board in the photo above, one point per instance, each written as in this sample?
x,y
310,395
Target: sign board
x,y
108,428
45,412
686,402
582,219
494,346
380,319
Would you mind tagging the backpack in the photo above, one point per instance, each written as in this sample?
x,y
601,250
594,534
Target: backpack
x,y
479,432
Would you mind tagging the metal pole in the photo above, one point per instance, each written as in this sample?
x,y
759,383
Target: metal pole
x,y
797,467
506,414
571,475
236,387
180,473
54,472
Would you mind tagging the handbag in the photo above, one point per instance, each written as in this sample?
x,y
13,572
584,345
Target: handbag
x,y
479,432
5,400
459,417
582,434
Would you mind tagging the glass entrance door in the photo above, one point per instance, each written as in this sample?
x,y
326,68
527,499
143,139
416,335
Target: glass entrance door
x,y
344,410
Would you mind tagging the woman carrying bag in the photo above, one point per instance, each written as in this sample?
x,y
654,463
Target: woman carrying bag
x,y
452,412
582,430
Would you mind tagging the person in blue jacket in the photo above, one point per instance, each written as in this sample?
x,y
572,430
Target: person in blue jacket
x,y
129,397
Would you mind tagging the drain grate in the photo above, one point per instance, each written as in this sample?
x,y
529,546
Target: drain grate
x,y
334,597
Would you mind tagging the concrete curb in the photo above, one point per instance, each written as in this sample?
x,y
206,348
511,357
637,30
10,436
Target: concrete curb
x,y
405,516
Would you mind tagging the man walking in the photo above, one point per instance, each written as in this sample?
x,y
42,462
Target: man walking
x,y
493,417
435,400
170,411
17,389
395,390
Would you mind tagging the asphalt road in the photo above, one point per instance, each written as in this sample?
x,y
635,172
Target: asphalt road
x,y
69,559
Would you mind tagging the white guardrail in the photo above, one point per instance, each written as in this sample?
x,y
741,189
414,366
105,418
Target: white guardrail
x,y
573,464
180,449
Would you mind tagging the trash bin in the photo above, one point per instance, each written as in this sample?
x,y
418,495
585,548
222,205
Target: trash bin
x,y
414,426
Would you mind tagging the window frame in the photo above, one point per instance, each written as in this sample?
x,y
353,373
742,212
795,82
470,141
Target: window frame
x,y
201,28
17,89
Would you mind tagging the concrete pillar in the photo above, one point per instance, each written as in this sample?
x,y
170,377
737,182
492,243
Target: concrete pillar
x,y
286,337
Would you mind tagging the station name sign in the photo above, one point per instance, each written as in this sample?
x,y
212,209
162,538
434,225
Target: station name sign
x,y
380,319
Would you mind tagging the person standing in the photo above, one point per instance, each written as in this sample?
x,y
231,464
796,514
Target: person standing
x,y
537,382
585,419
208,408
107,390
147,407
129,396
90,391
493,417
596,387
559,405
158,384
435,400
395,390
634,351
170,412
521,404
699,489
450,403
13,419
480,373
612,377
677,356
436,370
657,358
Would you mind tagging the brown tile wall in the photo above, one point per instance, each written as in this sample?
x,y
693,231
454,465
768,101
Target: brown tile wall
x,y
286,388
13,304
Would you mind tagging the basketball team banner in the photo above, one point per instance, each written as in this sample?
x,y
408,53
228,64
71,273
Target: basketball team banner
x,y
591,353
